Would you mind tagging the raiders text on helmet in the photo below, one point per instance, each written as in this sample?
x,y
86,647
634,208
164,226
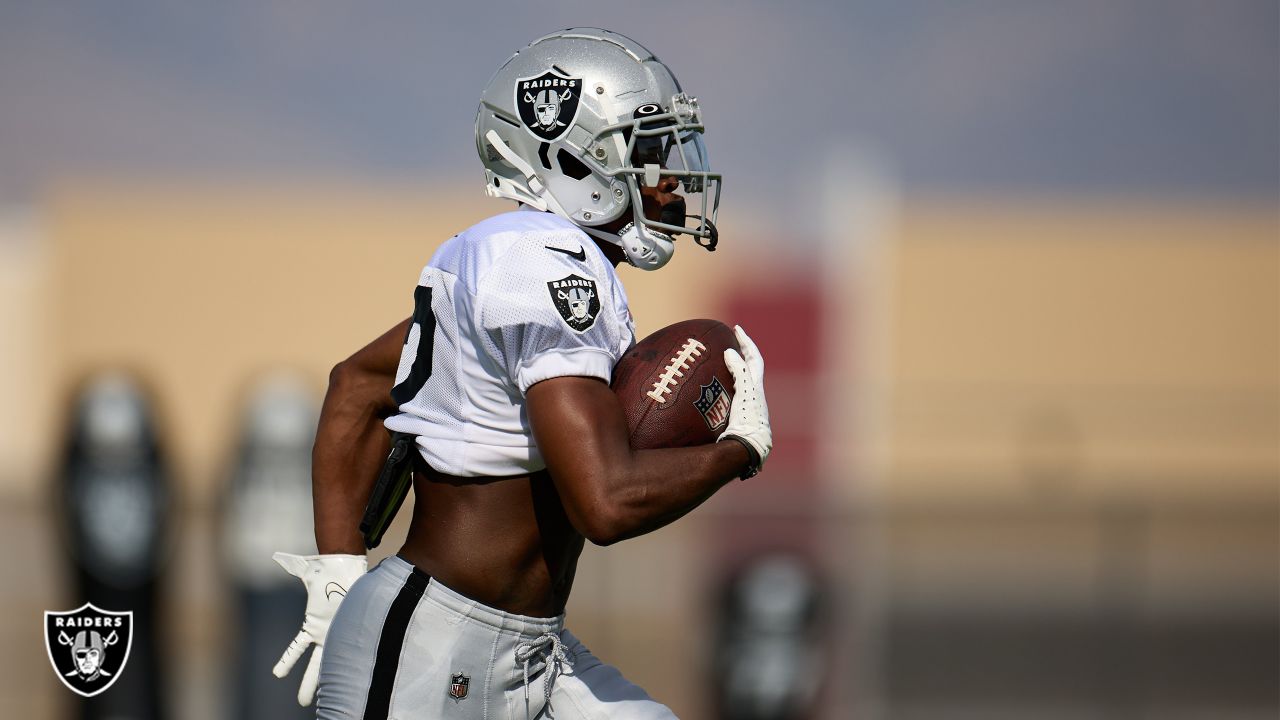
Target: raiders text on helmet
x,y
578,121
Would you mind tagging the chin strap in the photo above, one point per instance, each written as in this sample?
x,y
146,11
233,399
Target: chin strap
x,y
601,234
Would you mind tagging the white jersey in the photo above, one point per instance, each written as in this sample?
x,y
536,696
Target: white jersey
x,y
513,300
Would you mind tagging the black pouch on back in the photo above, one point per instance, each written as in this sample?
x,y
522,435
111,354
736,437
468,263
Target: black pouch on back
x,y
390,489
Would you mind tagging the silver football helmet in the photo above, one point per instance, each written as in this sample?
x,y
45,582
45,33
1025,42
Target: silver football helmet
x,y
578,121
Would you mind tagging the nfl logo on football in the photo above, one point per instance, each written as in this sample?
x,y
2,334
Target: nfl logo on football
x,y
714,402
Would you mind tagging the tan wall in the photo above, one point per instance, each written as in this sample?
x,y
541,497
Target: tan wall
x,y
25,380
1071,418
1109,350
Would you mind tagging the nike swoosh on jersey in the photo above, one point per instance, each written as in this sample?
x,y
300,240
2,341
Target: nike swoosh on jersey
x,y
332,588
580,256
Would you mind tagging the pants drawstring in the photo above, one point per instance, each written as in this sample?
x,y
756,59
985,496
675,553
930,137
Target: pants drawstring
x,y
551,649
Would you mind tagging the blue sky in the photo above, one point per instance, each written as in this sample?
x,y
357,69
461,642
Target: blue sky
x,y
1078,97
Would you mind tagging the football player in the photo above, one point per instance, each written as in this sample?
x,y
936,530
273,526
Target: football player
x,y
501,377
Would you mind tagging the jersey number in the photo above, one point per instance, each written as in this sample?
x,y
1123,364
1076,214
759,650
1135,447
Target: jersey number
x,y
421,368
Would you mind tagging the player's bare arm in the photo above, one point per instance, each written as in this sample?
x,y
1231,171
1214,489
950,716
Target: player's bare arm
x,y
611,492
351,440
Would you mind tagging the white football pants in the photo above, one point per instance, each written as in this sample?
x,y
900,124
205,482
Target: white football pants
x,y
403,646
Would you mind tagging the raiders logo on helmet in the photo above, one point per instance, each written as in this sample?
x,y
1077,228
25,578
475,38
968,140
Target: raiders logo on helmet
x,y
548,104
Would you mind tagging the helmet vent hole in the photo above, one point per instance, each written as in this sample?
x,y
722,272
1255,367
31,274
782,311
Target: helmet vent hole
x,y
572,166
542,155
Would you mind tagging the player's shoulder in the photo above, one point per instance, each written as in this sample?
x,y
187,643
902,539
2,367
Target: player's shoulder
x,y
523,232
525,242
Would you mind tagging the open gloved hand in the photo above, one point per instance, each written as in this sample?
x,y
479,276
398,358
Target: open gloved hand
x,y
327,579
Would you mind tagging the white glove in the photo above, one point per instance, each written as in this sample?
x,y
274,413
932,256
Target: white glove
x,y
749,414
328,578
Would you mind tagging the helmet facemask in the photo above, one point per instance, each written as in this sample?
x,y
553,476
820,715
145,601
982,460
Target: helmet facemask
x,y
662,144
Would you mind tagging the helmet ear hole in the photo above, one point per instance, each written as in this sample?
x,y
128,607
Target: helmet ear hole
x,y
572,166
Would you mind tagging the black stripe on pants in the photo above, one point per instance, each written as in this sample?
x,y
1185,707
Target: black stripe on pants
x,y
378,704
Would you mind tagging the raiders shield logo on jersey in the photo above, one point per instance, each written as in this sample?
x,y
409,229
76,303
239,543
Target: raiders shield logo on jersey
x,y
576,300
548,104
88,647
713,402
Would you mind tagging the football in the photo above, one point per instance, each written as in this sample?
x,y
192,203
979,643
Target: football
x,y
674,386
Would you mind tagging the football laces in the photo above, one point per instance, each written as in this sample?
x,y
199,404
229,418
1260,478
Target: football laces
x,y
674,370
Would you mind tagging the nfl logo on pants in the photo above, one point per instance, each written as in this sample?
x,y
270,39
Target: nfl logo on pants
x,y
458,684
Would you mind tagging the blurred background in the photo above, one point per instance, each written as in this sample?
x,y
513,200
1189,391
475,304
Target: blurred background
x,y
1015,267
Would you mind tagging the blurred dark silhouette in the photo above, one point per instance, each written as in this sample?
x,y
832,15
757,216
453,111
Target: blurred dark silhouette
x,y
116,495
